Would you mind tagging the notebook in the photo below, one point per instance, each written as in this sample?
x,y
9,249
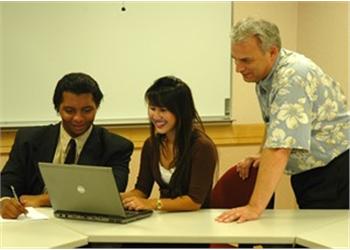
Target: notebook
x,y
86,193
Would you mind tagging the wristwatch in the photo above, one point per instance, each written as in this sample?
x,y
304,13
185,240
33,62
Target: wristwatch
x,y
159,204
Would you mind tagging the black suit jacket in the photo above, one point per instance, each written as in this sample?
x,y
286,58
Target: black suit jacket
x,y
38,144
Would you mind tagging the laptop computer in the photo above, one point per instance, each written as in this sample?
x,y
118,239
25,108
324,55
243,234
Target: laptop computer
x,y
86,193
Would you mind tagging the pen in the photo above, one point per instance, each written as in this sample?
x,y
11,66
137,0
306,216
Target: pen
x,y
15,195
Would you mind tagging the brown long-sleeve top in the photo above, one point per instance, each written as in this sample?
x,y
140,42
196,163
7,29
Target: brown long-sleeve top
x,y
199,184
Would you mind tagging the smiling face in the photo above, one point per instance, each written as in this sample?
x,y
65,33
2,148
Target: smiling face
x,y
253,63
77,112
163,120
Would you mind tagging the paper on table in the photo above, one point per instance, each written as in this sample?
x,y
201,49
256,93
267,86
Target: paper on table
x,y
32,214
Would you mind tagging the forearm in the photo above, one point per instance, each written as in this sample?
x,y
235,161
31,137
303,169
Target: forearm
x,y
263,140
134,192
41,200
272,164
182,203
136,200
45,200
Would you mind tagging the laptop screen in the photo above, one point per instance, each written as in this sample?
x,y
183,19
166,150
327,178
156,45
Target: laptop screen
x,y
77,188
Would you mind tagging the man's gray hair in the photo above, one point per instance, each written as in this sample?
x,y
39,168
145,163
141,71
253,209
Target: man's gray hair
x,y
267,33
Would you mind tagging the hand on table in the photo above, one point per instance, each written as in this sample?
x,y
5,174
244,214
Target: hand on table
x,y
239,214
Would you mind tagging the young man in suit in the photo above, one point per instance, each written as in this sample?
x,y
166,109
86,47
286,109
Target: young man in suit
x,y
76,98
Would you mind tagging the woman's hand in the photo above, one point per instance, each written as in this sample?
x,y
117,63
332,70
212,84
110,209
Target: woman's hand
x,y
137,203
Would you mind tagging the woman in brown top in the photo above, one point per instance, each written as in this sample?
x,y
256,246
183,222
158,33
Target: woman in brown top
x,y
178,155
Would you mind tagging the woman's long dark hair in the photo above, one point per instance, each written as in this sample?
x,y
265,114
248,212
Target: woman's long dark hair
x,y
174,94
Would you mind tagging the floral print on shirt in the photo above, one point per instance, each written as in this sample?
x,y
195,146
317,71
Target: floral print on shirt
x,y
305,110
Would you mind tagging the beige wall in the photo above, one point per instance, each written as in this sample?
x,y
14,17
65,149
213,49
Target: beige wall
x,y
323,35
1,55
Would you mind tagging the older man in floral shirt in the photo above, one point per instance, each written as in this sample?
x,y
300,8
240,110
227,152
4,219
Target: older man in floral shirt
x,y
307,124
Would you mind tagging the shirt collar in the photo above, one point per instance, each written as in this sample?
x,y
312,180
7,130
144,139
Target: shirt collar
x,y
266,82
80,140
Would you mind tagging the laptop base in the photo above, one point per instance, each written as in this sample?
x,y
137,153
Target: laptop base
x,y
130,216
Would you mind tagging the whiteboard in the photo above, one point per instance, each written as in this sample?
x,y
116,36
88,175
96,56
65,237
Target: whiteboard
x,y
124,51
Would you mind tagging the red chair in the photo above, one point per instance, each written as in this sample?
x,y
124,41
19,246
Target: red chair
x,y
232,191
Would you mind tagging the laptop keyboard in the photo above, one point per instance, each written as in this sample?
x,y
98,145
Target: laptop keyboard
x,y
130,216
80,216
131,213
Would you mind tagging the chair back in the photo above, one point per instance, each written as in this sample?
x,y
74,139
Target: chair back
x,y
232,191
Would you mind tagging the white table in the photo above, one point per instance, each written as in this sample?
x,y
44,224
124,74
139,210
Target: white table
x,y
334,235
274,227
39,234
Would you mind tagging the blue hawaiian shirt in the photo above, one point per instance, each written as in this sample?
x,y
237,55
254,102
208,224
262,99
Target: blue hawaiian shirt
x,y
304,109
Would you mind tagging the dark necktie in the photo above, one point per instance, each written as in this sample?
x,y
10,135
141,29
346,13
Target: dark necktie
x,y
70,158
